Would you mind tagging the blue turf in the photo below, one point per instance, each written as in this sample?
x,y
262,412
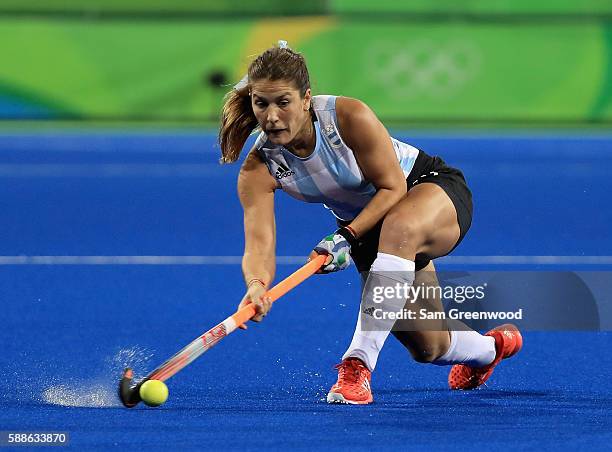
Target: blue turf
x,y
66,329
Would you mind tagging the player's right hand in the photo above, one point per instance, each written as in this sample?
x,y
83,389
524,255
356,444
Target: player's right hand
x,y
255,294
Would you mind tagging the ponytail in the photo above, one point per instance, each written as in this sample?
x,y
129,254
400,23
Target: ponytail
x,y
237,123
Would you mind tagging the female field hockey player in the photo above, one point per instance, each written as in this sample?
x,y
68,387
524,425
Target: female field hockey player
x,y
397,208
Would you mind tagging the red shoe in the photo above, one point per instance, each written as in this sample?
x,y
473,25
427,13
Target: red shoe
x,y
353,385
508,341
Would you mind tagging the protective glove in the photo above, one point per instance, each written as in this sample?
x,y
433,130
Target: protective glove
x,y
338,247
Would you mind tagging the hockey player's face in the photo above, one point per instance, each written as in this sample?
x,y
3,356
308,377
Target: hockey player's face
x,y
279,109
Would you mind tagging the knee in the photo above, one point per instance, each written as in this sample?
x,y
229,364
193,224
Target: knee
x,y
425,355
429,351
400,230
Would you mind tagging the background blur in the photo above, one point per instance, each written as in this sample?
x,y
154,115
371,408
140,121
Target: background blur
x,y
495,61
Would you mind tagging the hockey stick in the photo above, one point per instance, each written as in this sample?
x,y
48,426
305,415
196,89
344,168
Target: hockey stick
x,y
129,393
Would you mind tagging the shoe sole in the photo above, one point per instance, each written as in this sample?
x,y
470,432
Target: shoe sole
x,y
334,397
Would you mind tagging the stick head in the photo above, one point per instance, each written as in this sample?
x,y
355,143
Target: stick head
x,y
129,394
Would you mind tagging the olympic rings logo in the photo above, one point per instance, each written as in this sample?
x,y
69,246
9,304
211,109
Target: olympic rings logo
x,y
423,67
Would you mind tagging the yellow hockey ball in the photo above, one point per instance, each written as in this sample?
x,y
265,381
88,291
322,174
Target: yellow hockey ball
x,y
153,392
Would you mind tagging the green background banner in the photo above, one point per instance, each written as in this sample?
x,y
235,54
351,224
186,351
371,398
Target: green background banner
x,y
172,7
502,7
298,7
429,70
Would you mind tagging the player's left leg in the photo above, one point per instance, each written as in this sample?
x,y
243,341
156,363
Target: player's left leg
x,y
433,339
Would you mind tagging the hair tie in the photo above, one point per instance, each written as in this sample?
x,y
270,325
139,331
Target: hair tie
x,y
243,83
282,44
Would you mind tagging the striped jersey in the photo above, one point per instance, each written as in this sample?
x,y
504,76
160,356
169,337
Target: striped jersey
x,y
330,175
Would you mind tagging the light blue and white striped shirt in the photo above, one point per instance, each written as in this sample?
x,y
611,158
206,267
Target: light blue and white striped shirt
x,y
330,175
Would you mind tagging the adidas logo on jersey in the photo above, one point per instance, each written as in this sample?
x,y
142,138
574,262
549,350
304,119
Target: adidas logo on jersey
x,y
283,171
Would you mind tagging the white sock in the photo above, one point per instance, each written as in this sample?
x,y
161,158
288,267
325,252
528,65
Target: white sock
x,y
370,333
468,347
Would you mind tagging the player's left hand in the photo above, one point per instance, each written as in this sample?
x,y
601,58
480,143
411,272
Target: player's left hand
x,y
337,247
255,294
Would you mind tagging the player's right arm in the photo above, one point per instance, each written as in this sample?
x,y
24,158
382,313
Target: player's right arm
x,y
256,192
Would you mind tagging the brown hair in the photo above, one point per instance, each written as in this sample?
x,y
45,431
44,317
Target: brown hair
x,y
237,117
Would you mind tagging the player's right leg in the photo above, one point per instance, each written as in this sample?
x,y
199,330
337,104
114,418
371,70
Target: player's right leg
x,y
441,342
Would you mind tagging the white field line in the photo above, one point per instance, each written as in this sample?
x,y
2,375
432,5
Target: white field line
x,y
236,260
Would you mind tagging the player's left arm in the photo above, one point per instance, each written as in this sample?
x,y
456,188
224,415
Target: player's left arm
x,y
362,131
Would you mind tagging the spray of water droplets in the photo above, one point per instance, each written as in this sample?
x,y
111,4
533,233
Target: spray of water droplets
x,y
134,357
80,395
102,390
